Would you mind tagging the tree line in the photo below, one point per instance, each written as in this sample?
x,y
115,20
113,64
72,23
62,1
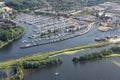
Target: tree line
x,y
24,4
57,5
97,55
31,64
39,64
18,74
10,33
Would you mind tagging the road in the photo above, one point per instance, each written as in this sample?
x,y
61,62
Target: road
x,y
88,29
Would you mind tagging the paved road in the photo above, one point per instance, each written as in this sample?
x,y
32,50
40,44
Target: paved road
x,y
88,29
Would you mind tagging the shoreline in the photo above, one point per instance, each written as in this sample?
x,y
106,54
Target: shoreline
x,y
116,63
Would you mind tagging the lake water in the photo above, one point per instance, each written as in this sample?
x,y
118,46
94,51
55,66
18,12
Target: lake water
x,y
98,70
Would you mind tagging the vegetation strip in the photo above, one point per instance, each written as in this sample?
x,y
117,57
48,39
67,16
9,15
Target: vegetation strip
x,y
17,76
29,63
45,59
106,53
52,54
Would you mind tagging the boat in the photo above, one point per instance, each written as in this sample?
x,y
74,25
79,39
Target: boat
x,y
97,39
56,73
24,41
100,39
26,46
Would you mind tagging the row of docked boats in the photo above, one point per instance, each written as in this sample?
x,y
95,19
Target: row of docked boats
x,y
53,39
106,38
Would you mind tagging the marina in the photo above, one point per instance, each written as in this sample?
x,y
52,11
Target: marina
x,y
57,38
58,29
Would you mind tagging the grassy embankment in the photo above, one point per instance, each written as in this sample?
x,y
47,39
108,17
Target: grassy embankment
x,y
52,54
113,55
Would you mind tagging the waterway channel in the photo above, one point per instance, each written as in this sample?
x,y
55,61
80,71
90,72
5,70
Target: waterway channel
x,y
98,70
13,51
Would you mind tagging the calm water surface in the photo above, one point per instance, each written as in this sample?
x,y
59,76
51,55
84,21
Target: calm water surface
x,y
98,70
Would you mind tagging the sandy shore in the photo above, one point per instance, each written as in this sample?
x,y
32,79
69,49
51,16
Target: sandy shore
x,y
104,28
116,63
114,40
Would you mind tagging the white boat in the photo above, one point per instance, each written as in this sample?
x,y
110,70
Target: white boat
x,y
56,73
24,41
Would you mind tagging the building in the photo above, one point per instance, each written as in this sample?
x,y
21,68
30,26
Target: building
x,y
8,9
2,4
